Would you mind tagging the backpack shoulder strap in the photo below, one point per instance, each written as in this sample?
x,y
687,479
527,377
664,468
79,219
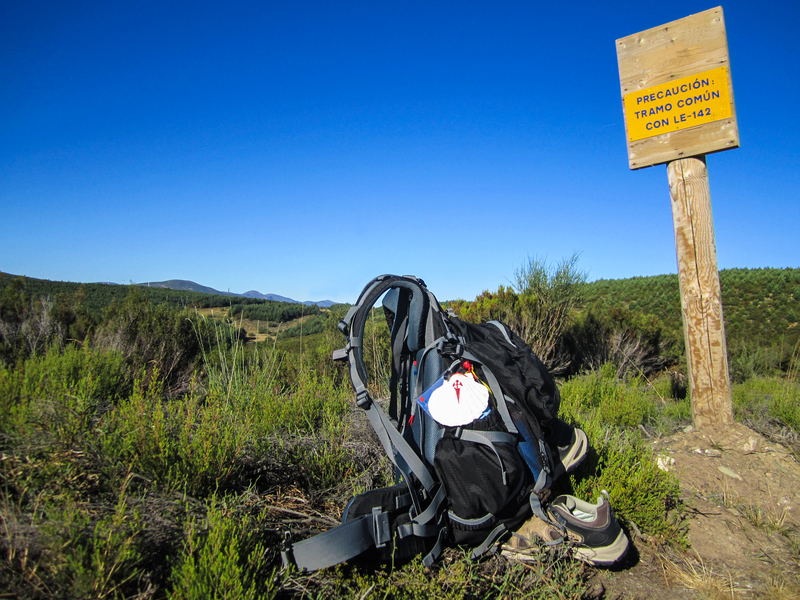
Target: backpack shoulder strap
x,y
424,321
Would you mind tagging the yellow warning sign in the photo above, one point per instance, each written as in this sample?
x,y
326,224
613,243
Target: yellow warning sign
x,y
679,104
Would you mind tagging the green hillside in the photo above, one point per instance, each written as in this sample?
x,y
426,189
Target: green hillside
x,y
760,306
96,297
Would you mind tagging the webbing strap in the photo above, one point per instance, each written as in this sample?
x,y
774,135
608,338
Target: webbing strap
x,y
382,432
489,541
397,352
541,481
433,508
403,501
438,547
381,423
353,326
502,329
435,345
497,391
489,438
429,530
536,507
421,525
332,547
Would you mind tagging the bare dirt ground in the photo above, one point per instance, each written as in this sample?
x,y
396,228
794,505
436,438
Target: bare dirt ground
x,y
741,494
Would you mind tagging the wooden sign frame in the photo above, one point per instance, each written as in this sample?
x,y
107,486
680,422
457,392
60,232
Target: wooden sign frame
x,y
669,58
677,99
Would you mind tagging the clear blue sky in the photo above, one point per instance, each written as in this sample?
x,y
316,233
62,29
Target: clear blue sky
x,y
301,148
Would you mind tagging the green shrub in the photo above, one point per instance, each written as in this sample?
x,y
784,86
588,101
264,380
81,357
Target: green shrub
x,y
746,361
776,398
150,337
60,394
187,444
222,560
61,550
537,307
232,369
615,402
315,324
455,576
193,442
641,493
619,461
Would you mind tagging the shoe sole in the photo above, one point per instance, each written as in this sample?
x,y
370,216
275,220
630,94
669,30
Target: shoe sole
x,y
526,555
605,555
577,451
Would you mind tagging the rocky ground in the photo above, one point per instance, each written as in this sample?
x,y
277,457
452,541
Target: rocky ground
x,y
741,493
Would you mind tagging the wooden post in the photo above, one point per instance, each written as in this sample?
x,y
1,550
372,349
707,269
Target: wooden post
x,y
701,304
677,99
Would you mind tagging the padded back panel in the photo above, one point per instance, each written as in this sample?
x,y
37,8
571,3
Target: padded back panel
x,y
427,432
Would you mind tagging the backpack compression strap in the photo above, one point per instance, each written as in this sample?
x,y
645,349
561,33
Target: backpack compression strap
x,y
339,544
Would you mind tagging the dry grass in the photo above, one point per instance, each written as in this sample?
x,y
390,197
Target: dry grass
x,y
780,590
769,520
258,331
696,576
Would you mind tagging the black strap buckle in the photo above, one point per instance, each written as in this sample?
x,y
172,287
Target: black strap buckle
x,y
287,556
380,525
363,399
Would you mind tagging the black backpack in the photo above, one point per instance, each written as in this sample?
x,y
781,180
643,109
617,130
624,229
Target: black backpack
x,y
470,484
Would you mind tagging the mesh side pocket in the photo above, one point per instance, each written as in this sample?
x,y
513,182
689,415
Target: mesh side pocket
x,y
479,497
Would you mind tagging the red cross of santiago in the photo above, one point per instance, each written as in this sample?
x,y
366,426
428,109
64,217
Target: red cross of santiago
x,y
457,385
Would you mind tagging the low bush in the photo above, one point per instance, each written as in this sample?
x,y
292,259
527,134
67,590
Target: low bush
x,y
188,444
222,558
455,576
611,412
775,399
57,548
59,394
608,399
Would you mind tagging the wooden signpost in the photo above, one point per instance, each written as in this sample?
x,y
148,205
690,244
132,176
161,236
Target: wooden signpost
x,y
677,100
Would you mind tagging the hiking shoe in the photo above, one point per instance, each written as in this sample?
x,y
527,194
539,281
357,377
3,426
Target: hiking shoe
x,y
526,542
570,445
599,540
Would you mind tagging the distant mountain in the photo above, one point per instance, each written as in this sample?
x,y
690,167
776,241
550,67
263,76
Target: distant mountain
x,y
191,286
185,286
321,303
260,296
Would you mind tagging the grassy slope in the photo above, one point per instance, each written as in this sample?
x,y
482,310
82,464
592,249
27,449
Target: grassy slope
x,y
759,305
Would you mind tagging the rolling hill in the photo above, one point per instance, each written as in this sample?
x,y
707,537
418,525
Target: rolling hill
x,y
44,287
191,286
